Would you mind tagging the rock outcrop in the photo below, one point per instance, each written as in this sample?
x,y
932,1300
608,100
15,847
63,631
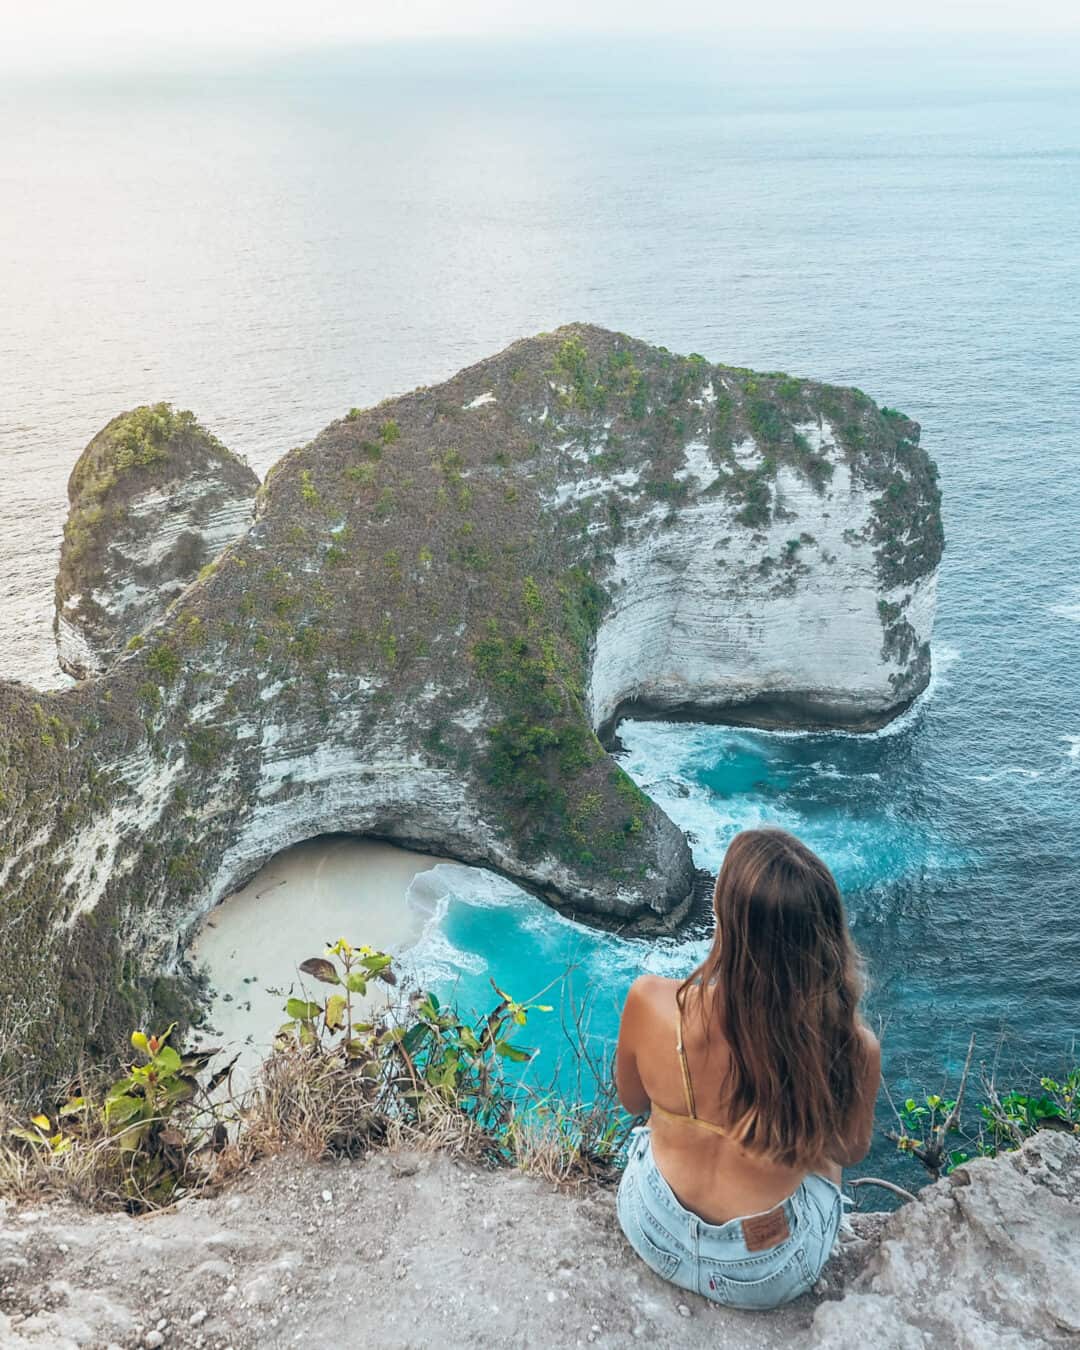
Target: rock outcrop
x,y
440,603
988,1257
154,499
424,1252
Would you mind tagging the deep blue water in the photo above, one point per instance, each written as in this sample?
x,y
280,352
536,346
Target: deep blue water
x,y
271,252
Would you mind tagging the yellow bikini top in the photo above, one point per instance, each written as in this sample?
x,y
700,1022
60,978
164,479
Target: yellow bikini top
x,y
691,1117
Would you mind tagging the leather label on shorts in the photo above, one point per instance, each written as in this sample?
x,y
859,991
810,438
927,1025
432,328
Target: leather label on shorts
x,y
765,1230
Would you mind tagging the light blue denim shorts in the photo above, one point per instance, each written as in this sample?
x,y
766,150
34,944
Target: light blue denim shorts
x,y
713,1259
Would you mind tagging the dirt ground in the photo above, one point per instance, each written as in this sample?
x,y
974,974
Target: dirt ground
x,y
406,1250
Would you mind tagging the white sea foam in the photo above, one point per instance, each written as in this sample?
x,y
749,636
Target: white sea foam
x,y
1073,742
1010,771
1069,608
823,770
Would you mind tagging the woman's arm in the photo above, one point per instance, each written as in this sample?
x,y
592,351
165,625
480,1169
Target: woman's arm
x,y
628,1082
856,1144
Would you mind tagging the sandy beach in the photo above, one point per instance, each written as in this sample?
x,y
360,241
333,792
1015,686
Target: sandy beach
x,y
308,896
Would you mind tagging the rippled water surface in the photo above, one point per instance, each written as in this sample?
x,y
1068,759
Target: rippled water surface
x,y
272,252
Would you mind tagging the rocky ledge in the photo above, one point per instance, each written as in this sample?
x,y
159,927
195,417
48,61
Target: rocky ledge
x,y
421,1251
429,620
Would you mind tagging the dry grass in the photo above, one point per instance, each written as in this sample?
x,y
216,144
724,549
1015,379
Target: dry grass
x,y
308,1101
93,1171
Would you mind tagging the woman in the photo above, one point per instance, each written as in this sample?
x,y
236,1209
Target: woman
x,y
760,1082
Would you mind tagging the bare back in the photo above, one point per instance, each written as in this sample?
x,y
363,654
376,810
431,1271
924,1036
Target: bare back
x,y
709,1171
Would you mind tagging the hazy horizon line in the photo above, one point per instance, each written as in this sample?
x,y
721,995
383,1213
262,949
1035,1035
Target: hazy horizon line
x,y
243,57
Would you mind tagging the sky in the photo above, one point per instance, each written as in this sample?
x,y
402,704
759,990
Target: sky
x,y
48,35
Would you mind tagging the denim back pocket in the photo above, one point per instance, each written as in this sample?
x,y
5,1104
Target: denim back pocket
x,y
751,1284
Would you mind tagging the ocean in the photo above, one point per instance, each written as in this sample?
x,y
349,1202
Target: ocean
x,y
271,246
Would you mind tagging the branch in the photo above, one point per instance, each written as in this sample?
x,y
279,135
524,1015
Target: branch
x,y
885,1186
930,1158
1002,1118
954,1114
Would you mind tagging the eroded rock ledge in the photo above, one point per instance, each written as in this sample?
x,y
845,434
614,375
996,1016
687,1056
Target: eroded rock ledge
x,y
440,602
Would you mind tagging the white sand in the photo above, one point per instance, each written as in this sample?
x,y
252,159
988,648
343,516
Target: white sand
x,y
304,899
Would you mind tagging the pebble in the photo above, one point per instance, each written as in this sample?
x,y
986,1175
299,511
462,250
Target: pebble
x,y
684,1311
327,1196
197,1318
153,1340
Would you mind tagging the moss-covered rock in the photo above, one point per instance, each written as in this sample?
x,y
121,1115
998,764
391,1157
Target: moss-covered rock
x,y
154,499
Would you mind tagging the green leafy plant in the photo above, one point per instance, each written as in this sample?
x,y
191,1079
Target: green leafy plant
x,y
308,490
420,1056
934,1132
148,1138
1014,1116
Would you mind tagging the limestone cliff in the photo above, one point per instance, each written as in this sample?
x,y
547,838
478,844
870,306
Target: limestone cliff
x,y
440,603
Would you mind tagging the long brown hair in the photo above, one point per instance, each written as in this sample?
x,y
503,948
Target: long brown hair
x,y
783,981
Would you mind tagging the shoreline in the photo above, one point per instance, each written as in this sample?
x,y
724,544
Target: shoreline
x,y
248,948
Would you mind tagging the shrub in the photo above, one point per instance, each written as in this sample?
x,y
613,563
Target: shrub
x,y
164,662
147,1140
416,1070
531,596
935,1132
308,490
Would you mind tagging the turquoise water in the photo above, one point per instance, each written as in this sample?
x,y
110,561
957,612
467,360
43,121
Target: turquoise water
x,y
271,249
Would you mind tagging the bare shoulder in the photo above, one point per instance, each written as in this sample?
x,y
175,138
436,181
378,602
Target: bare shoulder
x,y
650,1001
652,991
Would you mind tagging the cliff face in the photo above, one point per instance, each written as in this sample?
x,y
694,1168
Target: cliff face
x,y
440,602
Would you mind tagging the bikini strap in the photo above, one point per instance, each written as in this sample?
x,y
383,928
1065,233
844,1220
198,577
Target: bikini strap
x,y
688,1087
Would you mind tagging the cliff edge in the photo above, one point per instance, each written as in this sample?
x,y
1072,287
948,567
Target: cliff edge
x,y
440,610
420,1251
